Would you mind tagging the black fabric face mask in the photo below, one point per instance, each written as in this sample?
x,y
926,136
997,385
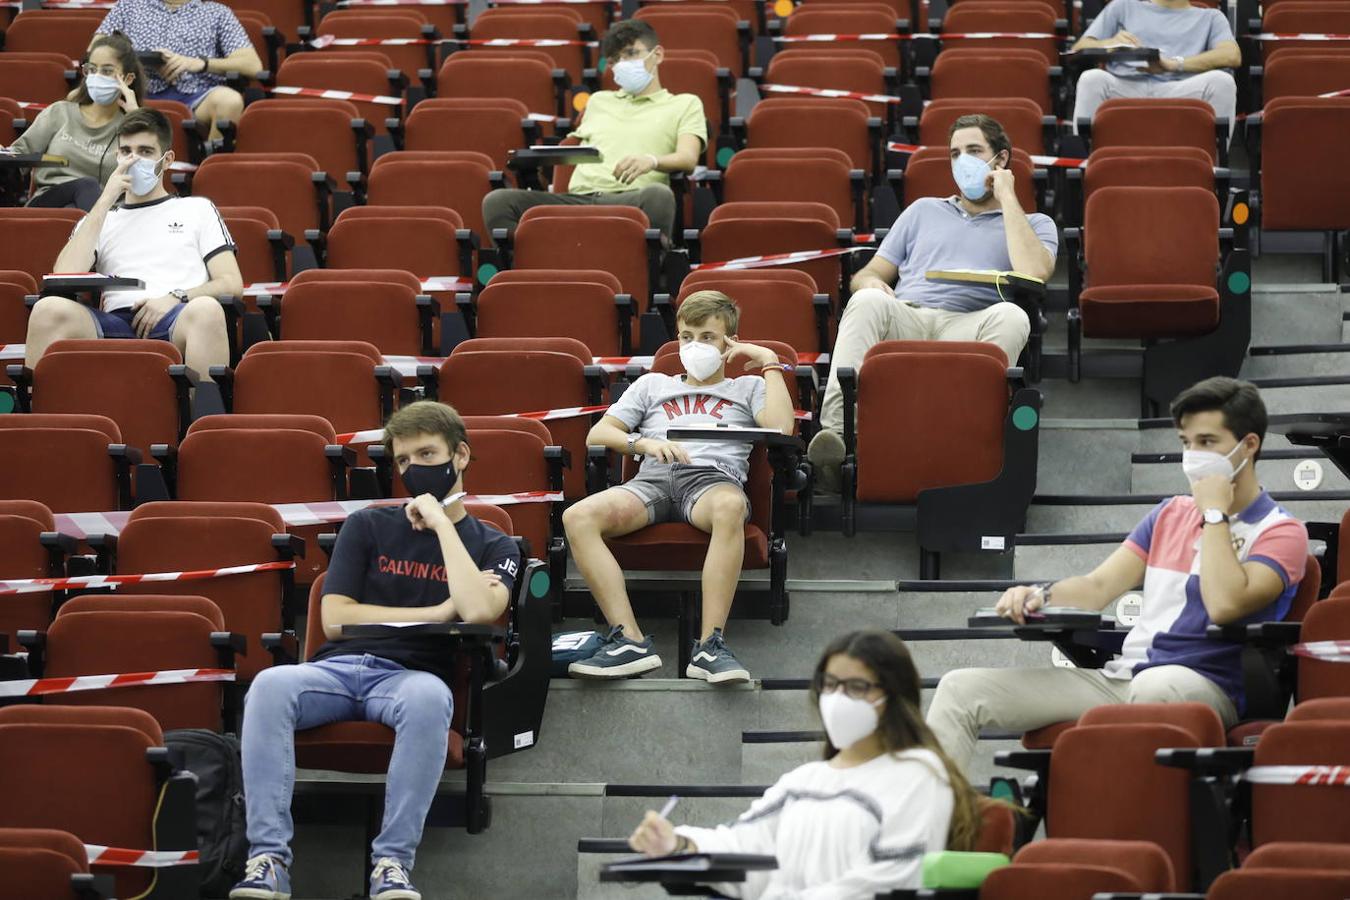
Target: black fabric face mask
x,y
437,480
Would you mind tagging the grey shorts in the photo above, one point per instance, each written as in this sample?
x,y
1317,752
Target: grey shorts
x,y
670,492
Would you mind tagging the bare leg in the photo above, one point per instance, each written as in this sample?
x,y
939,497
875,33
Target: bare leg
x,y
55,319
588,522
200,336
222,104
721,513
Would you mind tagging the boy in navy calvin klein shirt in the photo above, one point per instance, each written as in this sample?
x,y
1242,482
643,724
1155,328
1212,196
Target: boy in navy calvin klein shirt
x,y
422,562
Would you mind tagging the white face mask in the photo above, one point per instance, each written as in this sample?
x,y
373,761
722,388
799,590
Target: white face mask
x,y
1198,464
144,176
700,360
631,75
847,720
102,89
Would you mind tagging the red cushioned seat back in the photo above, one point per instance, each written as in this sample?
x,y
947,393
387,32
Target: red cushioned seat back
x,y
31,244
420,240
1058,880
692,28
230,179
1159,123
964,18
1297,181
997,828
487,125
457,181
285,16
818,175
105,642
211,466
133,388
507,462
1179,249
251,603
1144,861
929,174
338,386
1298,855
1308,73
66,769
543,24
383,314
980,72
579,309
380,24
177,114
1262,884
481,75
22,555
962,418
321,131
399,277
33,81
595,237
123,602
1327,620
163,509
253,251
1197,719
850,19
861,71
1303,18
1146,801
38,862
68,32
787,121
68,469
771,310
737,230
1147,171
360,73
1019,116
1319,708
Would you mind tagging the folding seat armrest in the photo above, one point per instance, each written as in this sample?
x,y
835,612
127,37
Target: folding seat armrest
x,y
22,376
340,458
427,310
857,182
166,761
504,238
1261,634
229,644
623,307
281,243
1073,243
59,546
327,541
288,546
283,646
228,132
562,85
848,386
124,457
1037,761
395,128
324,186
466,239
654,254
693,245
184,380
726,84
597,468
223,376
529,130
1205,761
743,38
496,180
430,377
389,382
597,379
35,642
86,886
270,306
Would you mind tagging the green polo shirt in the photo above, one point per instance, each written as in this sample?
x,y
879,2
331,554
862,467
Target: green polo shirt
x,y
620,125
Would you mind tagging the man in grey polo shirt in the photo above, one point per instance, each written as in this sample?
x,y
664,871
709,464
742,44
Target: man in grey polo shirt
x,y
982,227
1196,48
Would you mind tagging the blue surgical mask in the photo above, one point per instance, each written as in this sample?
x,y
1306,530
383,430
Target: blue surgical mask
x,y
144,175
103,90
632,76
970,173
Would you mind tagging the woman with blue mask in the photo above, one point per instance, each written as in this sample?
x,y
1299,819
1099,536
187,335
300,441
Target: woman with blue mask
x,y
83,128
859,822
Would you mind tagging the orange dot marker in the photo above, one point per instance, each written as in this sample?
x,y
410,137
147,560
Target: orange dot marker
x,y
580,100
783,8
1240,213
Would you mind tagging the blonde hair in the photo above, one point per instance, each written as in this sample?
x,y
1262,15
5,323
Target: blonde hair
x,y
699,306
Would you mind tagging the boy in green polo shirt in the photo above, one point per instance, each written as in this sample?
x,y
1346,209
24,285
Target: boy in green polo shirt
x,y
642,130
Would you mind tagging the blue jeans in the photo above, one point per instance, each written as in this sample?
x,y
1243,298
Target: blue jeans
x,y
286,699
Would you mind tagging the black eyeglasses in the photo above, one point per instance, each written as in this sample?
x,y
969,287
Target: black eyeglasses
x,y
857,688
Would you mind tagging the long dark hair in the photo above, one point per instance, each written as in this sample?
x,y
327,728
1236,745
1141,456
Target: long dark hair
x,y
901,724
126,58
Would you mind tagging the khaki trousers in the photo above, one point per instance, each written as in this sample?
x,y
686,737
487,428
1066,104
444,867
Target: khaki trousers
x,y
1216,87
968,700
873,316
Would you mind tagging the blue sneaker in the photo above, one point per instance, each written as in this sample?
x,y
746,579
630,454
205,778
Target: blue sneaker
x,y
265,878
390,881
618,657
714,663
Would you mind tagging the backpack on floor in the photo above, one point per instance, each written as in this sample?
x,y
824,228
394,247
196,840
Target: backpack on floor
x,y
570,646
221,831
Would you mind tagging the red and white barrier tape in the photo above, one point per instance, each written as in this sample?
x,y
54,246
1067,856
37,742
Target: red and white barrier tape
x,y
1298,36
775,259
1324,651
38,585
11,351
28,104
373,435
145,859
38,687
334,95
1303,775
883,36
435,283
1058,162
295,515
328,40
403,2
827,92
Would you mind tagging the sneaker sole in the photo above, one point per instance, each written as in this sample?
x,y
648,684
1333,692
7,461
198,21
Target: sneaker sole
x,y
396,894
257,894
694,671
636,667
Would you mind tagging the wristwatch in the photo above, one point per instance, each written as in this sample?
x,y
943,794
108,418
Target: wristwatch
x,y
1179,60
1213,516
632,443
180,294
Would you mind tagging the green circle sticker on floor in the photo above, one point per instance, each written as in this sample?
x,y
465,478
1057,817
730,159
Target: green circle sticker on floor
x,y
1239,282
1024,418
539,584
724,155
485,272
6,402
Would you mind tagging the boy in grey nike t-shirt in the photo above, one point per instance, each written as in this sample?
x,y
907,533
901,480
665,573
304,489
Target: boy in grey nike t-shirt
x,y
696,482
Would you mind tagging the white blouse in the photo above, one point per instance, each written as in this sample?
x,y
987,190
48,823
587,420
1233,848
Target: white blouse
x,y
840,834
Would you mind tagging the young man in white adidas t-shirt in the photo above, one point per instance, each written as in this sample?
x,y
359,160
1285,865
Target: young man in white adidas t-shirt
x,y
698,483
178,246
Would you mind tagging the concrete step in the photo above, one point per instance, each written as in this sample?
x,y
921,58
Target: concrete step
x,y
1333,359
1295,313
1044,562
1086,455
1306,397
1161,473
1101,517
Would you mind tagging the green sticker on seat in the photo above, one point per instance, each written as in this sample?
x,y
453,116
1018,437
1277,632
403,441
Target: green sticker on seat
x,y
1239,282
602,65
485,272
539,584
724,155
1024,418
1000,789
6,402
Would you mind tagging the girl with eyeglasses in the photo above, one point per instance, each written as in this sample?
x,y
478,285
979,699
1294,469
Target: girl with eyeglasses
x,y
860,821
83,128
